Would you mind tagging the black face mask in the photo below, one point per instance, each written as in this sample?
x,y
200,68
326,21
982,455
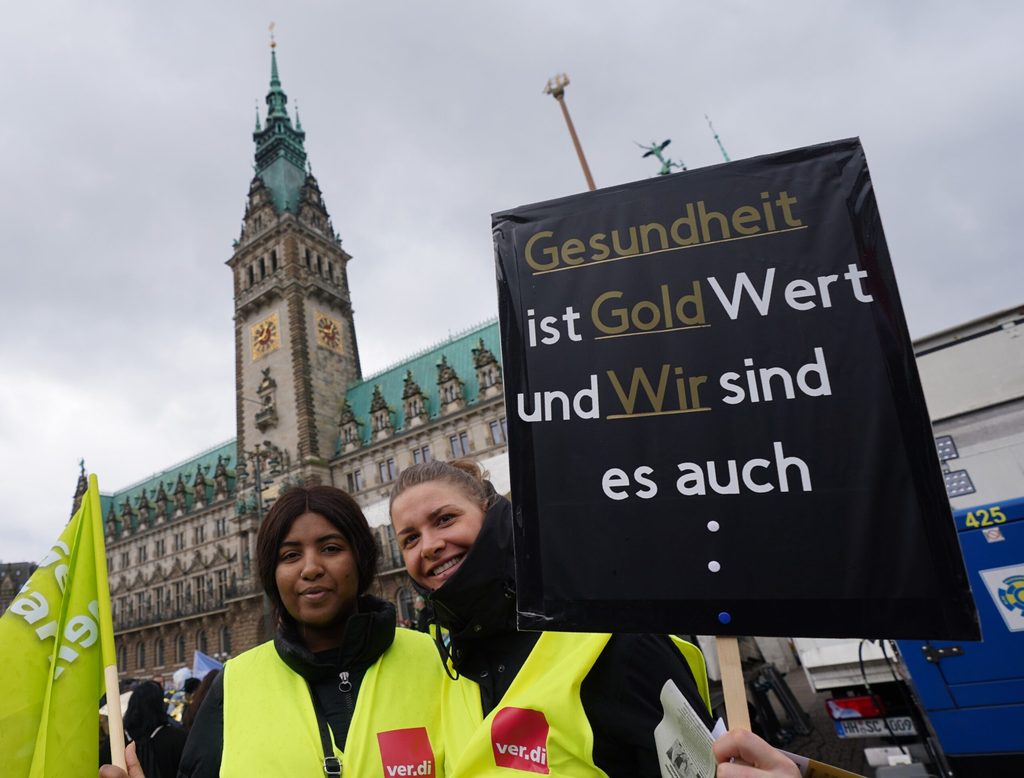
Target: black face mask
x,y
480,597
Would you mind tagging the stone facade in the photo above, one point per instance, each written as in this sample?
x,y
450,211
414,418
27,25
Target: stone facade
x,y
445,403
13,576
179,564
181,543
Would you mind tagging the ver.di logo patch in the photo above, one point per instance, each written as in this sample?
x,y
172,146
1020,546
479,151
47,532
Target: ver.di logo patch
x,y
406,753
519,738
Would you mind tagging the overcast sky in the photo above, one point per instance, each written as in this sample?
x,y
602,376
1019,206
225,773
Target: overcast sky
x,y
128,153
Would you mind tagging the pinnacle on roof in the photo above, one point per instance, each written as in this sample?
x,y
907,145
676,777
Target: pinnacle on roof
x,y
280,149
276,98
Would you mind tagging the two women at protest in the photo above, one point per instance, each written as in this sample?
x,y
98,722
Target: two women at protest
x,y
340,685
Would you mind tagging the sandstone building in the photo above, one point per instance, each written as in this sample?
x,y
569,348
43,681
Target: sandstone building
x,y
13,576
181,543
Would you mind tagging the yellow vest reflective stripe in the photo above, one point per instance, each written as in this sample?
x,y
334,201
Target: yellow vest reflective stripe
x,y
270,727
540,725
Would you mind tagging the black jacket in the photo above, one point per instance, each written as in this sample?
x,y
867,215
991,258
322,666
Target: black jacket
x,y
166,744
368,634
620,694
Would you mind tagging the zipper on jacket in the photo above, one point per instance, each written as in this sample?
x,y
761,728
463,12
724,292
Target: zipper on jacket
x,y
344,684
345,687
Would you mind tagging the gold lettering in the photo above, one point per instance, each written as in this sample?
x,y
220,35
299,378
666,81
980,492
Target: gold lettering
x,y
706,217
551,251
597,243
689,221
570,251
633,249
650,324
697,301
647,229
741,216
769,217
609,329
640,381
784,202
698,224
666,305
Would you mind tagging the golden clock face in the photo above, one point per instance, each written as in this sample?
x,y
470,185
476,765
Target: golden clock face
x,y
266,336
328,333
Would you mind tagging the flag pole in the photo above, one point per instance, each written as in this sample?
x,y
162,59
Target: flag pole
x,y
556,88
106,624
114,722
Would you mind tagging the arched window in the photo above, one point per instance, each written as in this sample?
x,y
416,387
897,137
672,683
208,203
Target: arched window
x,y
201,641
140,655
122,656
159,649
225,639
179,648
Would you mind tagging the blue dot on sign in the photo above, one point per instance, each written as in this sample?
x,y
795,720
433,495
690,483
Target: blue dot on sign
x,y
724,617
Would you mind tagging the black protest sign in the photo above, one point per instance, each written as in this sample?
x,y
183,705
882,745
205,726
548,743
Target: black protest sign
x,y
716,423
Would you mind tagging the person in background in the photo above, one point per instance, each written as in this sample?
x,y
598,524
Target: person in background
x,y
190,686
558,703
159,741
196,697
339,687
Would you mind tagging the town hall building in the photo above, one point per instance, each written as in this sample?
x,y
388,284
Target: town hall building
x,y
181,543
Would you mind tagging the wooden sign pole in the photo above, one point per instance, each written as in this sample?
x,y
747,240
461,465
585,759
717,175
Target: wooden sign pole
x,y
737,716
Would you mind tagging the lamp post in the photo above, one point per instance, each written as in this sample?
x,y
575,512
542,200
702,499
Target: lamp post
x,y
556,88
256,456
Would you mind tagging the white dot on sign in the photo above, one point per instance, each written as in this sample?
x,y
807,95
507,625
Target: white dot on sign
x,y
713,526
714,566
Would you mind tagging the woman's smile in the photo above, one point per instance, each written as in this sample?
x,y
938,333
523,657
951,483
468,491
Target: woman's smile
x,y
447,568
436,525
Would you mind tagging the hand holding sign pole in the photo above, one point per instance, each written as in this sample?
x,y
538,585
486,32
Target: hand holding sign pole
x,y
714,367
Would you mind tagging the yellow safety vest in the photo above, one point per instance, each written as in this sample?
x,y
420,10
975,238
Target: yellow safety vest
x,y
540,725
270,727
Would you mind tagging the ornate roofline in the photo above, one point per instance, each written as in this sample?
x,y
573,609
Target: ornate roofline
x,y
171,468
423,352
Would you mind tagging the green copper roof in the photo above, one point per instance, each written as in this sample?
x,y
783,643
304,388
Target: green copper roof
x,y
459,351
280,150
207,461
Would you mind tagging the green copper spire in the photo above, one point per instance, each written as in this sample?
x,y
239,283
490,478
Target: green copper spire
x,y
276,98
280,150
717,139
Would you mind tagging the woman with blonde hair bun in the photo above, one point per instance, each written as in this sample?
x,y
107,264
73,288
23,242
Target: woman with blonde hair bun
x,y
548,702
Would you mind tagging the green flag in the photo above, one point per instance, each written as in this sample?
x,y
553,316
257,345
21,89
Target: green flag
x,y
55,641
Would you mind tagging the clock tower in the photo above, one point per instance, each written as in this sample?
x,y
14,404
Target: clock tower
x,y
295,340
